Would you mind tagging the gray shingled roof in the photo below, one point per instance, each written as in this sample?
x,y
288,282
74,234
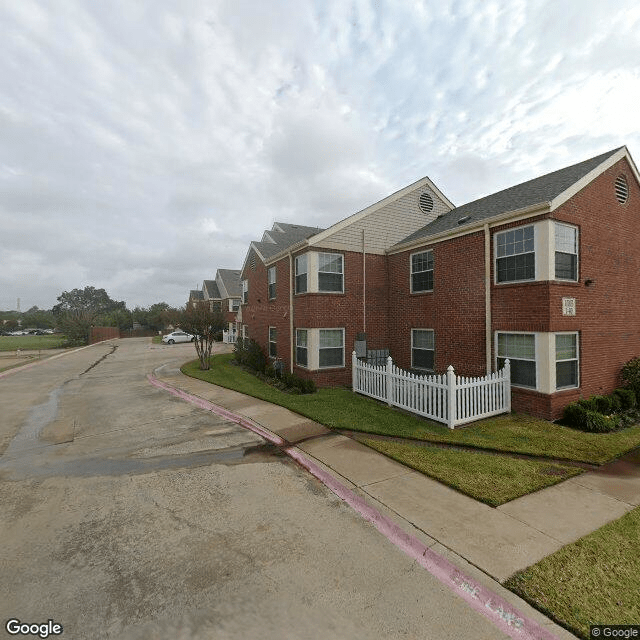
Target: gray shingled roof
x,y
231,281
211,288
196,294
291,234
536,191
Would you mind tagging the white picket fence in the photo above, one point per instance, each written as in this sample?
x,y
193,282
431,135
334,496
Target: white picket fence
x,y
229,337
447,398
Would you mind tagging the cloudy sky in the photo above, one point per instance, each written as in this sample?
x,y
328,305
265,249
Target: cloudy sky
x,y
144,144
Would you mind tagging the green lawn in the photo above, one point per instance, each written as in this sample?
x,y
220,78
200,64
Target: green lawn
x,y
493,479
11,343
343,409
595,580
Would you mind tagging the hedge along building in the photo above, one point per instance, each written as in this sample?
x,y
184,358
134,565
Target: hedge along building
x,y
545,273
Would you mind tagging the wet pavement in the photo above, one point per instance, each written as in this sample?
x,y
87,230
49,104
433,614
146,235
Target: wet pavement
x,y
128,513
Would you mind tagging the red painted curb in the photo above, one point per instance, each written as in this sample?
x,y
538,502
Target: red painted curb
x,y
490,605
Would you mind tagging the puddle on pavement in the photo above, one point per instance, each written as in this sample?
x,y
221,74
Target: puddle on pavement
x,y
39,417
26,467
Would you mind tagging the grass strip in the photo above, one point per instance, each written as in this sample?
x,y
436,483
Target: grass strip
x,y
11,343
343,409
595,580
492,479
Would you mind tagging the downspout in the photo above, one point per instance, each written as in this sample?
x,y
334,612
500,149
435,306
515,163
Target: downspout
x,y
291,281
364,287
487,294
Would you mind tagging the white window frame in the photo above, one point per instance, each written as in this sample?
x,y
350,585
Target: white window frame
x,y
411,271
273,342
496,257
271,282
576,359
330,366
305,347
433,333
536,350
577,251
298,273
245,292
245,332
232,306
341,272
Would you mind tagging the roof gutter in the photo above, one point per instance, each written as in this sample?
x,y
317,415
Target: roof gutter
x,y
474,227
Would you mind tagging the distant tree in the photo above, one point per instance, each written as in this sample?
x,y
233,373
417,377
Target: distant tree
x,y
204,323
77,310
38,318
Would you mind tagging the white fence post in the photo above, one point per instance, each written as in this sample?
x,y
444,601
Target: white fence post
x,y
354,373
451,397
389,381
507,385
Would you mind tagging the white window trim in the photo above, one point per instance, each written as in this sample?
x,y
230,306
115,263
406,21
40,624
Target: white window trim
x,y
555,360
302,366
244,332
434,348
245,292
537,252
270,271
333,366
415,253
552,250
274,342
329,253
296,274
536,345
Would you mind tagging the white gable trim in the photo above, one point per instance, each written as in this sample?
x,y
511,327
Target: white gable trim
x,y
567,194
318,238
220,282
251,246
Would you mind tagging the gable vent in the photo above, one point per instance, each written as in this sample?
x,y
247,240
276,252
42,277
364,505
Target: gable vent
x,y
426,203
622,189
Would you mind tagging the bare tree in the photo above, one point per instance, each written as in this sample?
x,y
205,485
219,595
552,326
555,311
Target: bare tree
x,y
204,323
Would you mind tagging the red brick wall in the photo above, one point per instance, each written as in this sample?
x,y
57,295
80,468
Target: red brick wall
x,y
455,310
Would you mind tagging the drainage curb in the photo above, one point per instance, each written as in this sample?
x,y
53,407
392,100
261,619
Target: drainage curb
x,y
482,599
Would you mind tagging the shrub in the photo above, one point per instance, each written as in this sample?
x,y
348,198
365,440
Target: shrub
x,y
577,416
631,375
588,404
626,397
602,404
616,404
249,353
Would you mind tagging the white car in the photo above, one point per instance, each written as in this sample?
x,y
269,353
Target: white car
x,y
178,336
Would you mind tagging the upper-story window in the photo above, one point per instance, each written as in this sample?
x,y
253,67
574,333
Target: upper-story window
x,y
301,273
234,304
330,272
566,252
422,271
271,281
515,255
245,291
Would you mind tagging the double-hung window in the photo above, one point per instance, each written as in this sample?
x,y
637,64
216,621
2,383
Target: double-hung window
x,y
422,272
302,354
330,272
521,350
566,360
245,291
566,252
234,304
273,342
515,255
301,273
331,348
271,281
422,349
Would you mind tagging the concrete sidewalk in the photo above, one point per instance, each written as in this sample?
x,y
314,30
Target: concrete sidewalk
x,y
474,536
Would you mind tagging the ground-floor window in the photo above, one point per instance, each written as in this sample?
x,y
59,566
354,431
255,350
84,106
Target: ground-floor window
x,y
520,348
273,342
301,348
423,349
566,360
331,348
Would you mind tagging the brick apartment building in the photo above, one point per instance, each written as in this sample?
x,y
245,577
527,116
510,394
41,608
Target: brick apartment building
x,y
545,273
223,294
